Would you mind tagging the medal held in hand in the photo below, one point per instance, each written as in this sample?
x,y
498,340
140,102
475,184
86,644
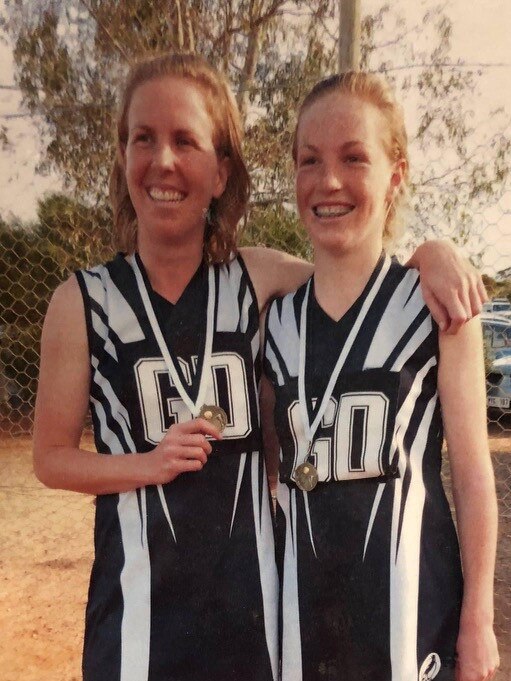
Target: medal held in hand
x,y
306,476
215,415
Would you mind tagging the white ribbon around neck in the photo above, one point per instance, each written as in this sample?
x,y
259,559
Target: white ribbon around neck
x,y
194,407
311,428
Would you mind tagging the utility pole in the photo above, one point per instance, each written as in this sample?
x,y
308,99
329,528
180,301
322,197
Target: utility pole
x,y
349,35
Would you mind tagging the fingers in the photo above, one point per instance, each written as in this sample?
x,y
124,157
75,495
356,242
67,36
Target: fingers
x,y
453,289
451,316
184,448
481,288
457,318
186,445
476,293
198,425
187,466
438,311
189,453
466,302
458,309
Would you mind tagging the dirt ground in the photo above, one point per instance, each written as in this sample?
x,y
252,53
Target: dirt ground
x,y
46,551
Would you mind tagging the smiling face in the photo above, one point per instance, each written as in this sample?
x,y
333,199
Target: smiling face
x,y
344,176
171,164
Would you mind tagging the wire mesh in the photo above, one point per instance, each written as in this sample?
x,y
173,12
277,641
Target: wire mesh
x,y
47,537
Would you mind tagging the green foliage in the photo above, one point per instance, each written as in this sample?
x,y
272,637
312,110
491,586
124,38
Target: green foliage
x,y
497,289
67,236
276,227
75,235
26,280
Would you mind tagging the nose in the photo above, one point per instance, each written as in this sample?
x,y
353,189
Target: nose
x,y
165,157
331,177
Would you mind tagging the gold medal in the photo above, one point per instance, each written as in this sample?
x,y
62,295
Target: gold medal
x,y
215,415
306,477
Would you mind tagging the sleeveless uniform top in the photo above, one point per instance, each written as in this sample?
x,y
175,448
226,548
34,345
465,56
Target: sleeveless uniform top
x,y
184,584
372,583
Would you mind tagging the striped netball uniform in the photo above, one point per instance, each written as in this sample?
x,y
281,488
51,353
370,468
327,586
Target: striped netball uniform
x,y
371,576
184,584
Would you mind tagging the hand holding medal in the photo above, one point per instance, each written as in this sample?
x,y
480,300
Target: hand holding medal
x,y
215,415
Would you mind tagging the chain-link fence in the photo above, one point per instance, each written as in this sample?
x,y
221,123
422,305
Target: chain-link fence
x,y
47,535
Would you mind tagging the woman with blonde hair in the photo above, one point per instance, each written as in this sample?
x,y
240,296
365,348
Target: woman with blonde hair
x,y
365,385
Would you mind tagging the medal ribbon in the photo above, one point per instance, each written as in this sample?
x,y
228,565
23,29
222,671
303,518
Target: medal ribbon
x,y
311,428
194,407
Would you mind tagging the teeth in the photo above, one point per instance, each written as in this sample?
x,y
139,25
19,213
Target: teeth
x,y
165,194
332,211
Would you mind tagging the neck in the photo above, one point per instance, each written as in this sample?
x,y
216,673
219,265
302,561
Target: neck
x,y
170,269
339,279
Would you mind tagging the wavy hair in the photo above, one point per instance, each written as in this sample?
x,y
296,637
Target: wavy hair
x,y
224,214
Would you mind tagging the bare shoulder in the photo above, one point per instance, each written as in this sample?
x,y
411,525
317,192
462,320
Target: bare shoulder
x,y
274,273
68,292
65,318
64,375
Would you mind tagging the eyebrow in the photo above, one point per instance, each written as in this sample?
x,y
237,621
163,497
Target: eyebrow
x,y
346,146
150,128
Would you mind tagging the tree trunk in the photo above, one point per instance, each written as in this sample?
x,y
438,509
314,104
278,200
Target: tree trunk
x,y
249,68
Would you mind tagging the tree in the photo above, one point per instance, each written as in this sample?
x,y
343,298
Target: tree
x,y
461,165
71,57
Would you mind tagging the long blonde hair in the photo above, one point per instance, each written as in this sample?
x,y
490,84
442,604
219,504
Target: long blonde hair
x,y
225,212
374,89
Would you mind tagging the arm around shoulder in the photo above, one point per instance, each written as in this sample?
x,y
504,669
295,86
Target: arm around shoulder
x,y
274,273
452,288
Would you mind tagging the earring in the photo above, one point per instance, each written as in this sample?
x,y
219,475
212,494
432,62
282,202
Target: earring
x,y
207,214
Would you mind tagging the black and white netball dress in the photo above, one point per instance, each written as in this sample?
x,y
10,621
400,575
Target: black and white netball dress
x,y
184,585
371,576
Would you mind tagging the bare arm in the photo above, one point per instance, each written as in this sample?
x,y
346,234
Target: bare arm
x,y
274,273
462,395
61,406
452,289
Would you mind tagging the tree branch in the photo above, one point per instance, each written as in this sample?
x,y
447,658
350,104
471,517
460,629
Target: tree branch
x,y
449,65
114,42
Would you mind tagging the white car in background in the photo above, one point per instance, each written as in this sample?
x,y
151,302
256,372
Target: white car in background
x,y
499,306
497,336
496,330
498,382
